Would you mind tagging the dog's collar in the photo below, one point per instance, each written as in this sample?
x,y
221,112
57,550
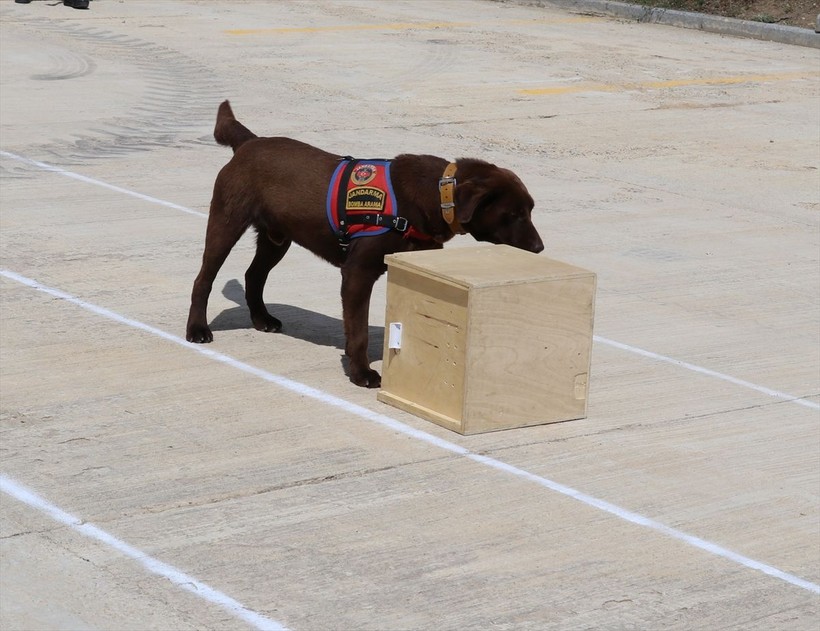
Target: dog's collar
x,y
447,192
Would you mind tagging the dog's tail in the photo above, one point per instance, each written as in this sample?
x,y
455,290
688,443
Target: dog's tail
x,y
229,131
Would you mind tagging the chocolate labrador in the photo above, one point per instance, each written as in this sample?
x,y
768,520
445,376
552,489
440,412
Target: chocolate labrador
x,y
290,191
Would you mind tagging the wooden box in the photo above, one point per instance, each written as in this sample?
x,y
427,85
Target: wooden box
x,y
491,337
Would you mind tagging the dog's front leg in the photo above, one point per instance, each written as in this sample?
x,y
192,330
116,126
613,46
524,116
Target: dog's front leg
x,y
357,286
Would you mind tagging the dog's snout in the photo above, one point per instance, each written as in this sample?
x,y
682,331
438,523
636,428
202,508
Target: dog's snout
x,y
536,245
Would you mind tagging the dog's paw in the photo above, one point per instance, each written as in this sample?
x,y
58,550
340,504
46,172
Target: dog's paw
x,y
199,335
267,323
367,379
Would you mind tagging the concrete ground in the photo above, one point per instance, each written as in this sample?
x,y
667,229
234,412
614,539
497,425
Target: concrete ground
x,y
152,484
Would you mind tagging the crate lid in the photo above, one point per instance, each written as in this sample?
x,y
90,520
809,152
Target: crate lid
x,y
484,265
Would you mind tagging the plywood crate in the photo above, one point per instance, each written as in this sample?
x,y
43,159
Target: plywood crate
x,y
492,337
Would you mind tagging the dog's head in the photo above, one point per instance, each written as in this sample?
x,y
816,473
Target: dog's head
x,y
492,204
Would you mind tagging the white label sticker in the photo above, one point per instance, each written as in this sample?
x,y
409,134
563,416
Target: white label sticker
x,y
394,335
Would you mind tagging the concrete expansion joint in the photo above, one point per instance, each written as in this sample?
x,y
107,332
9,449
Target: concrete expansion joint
x,y
792,35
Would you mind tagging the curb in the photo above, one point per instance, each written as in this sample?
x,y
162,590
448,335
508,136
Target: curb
x,y
700,21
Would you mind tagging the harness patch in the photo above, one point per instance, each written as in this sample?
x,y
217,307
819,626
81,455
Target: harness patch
x,y
357,189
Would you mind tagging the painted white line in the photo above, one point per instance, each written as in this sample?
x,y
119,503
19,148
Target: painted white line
x,y
397,426
110,187
177,577
625,347
711,373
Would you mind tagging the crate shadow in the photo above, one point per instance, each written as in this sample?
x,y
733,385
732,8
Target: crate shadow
x,y
298,323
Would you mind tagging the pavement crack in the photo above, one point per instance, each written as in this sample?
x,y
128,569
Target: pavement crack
x,y
18,534
641,425
273,488
443,123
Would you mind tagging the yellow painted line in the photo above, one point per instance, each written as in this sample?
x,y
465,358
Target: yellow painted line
x,y
660,85
349,27
394,26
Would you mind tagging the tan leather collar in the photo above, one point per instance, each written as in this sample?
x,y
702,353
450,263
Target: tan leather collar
x,y
447,191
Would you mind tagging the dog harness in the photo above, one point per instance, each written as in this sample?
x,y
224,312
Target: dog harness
x,y
361,202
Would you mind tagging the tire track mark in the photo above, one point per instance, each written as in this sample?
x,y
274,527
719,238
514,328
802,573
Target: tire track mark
x,y
178,97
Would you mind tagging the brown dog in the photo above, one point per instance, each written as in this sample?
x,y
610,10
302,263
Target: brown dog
x,y
280,187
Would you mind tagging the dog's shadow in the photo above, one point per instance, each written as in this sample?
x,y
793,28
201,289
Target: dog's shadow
x,y
316,328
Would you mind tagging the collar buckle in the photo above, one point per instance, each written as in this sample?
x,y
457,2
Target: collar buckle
x,y
446,180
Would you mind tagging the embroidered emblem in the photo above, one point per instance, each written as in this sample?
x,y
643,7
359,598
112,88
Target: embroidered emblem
x,y
363,174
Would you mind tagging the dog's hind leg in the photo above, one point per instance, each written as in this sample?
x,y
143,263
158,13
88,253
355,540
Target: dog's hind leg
x,y
269,251
220,237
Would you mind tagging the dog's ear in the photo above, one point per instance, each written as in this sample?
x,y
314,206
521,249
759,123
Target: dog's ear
x,y
469,196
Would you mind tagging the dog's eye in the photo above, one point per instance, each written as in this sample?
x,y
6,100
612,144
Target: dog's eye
x,y
511,217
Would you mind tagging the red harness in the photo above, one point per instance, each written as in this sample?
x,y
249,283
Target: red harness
x,y
361,202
